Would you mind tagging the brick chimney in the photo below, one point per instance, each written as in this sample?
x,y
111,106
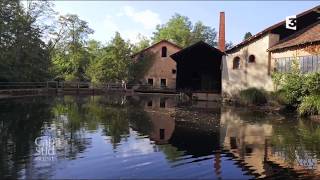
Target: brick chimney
x,y
222,38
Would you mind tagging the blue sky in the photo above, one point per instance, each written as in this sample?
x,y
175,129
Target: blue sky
x,y
131,18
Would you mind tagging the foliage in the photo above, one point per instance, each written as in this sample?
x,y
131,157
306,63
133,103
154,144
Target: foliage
x,y
141,66
253,96
180,30
23,54
312,83
247,35
310,105
291,84
69,56
112,63
143,43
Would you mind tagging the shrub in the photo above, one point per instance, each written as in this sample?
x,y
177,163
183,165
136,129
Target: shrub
x,y
253,96
310,105
312,83
280,97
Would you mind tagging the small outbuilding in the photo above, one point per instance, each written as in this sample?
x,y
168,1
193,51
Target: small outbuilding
x,y
199,68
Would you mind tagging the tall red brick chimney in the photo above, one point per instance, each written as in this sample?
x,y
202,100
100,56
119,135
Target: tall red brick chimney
x,y
222,37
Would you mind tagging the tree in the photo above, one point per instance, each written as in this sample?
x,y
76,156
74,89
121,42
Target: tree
x,y
181,31
229,45
24,56
177,29
69,55
113,62
247,35
204,33
143,43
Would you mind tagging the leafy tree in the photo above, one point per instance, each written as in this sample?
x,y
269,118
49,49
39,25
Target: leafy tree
x,y
23,54
112,64
204,33
180,30
140,66
229,45
247,35
69,55
143,43
177,29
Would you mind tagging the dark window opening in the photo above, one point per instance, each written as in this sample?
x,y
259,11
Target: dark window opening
x,y
233,143
236,63
162,134
249,150
174,71
163,83
252,59
150,82
150,103
164,51
162,103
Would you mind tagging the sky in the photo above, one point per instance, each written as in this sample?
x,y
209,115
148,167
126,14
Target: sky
x,y
132,18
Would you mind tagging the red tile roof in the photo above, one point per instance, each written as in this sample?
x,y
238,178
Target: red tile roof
x,y
269,29
307,35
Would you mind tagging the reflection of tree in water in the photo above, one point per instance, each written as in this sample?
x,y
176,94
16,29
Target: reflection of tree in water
x,y
20,123
297,142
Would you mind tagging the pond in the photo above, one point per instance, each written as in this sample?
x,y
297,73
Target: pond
x,y
149,136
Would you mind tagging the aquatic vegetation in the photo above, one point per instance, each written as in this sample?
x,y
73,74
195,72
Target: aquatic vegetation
x,y
253,96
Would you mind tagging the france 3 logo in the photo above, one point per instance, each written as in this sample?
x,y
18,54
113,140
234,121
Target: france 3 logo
x,y
291,22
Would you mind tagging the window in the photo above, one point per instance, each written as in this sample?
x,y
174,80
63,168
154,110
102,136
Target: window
x,y
150,103
163,83
252,59
162,103
150,81
164,51
174,71
236,63
161,134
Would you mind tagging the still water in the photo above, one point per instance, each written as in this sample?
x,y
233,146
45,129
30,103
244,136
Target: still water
x,y
151,137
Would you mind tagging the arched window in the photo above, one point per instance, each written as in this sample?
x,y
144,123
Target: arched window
x,y
164,51
236,63
252,59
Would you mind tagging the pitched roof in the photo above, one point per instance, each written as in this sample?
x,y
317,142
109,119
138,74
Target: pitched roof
x,y
166,41
307,35
269,29
198,45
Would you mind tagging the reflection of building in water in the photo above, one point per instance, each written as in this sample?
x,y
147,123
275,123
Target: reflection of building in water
x,y
160,109
245,141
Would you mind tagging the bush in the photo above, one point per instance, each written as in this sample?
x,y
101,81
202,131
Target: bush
x,y
280,97
310,105
253,96
312,83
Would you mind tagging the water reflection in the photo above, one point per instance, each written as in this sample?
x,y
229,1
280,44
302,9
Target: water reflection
x,y
152,137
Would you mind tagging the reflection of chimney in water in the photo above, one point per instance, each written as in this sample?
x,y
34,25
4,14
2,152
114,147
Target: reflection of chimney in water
x,y
217,164
222,38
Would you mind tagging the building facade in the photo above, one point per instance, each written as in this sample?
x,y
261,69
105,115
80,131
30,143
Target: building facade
x,y
162,73
251,63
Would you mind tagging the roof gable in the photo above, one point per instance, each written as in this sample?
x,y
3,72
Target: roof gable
x,y
305,36
304,19
153,45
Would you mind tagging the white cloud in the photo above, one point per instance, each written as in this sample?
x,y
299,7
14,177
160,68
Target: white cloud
x,y
124,21
147,18
110,24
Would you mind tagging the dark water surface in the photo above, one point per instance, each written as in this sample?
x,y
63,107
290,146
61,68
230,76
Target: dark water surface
x,y
151,137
